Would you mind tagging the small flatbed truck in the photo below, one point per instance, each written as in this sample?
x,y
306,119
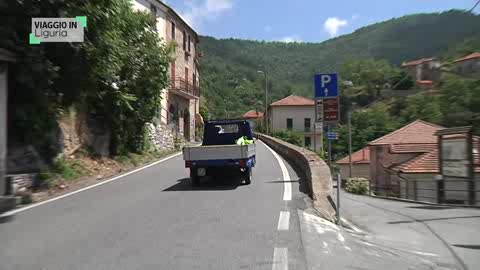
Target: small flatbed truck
x,y
219,151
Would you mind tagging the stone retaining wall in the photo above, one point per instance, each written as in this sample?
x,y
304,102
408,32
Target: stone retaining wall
x,y
315,171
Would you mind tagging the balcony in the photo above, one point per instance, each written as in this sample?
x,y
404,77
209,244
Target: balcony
x,y
183,88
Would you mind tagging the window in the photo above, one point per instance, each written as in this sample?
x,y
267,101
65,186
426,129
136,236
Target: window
x,y
173,30
189,41
308,141
225,129
307,123
184,41
289,123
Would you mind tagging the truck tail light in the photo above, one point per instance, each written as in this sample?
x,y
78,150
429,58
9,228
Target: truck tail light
x,y
188,164
242,163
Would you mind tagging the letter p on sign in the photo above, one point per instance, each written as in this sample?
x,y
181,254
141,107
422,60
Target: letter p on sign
x,y
325,79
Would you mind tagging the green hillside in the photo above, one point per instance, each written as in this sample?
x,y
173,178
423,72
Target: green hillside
x,y
231,84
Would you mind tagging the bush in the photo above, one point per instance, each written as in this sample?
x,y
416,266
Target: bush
x,y
357,186
290,136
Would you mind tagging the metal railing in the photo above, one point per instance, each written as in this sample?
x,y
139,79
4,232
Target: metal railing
x,y
436,191
180,84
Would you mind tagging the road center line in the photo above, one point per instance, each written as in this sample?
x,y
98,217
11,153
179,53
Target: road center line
x,y
287,194
280,259
13,212
284,221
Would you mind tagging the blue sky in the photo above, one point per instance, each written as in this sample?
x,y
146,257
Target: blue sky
x,y
298,20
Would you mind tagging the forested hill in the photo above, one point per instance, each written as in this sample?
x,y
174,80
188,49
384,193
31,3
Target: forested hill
x,y
232,85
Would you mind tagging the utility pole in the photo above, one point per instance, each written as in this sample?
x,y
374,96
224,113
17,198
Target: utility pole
x,y
349,119
265,115
349,116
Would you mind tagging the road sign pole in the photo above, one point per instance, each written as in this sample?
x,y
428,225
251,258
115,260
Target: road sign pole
x,y
339,186
329,150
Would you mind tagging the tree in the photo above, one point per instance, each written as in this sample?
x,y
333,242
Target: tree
x,y
367,125
116,75
460,102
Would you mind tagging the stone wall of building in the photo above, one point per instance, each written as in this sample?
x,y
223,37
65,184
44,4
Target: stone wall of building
x,y
162,137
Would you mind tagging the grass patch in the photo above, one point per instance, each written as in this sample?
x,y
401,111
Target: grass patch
x,y
68,169
140,159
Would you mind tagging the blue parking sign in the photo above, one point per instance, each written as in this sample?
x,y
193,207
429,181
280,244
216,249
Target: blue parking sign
x,y
326,85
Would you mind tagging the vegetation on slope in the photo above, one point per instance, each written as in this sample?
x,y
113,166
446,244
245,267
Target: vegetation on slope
x,y
232,86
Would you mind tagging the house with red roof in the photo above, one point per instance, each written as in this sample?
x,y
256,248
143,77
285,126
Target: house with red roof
x,y
360,164
254,117
295,113
469,64
424,71
394,150
405,163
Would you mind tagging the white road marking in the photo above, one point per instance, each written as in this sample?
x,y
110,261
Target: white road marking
x,y
287,194
280,259
351,226
425,253
284,221
13,212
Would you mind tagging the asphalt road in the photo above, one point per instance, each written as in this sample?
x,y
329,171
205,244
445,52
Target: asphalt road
x,y
154,219
447,236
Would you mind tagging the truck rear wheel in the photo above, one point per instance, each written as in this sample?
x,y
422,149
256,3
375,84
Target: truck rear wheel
x,y
247,174
194,177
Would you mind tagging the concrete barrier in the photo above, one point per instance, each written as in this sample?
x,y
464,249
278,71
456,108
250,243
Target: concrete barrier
x,y
315,171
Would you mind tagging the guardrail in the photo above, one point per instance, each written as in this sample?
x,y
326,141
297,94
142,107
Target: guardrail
x,y
315,171
447,191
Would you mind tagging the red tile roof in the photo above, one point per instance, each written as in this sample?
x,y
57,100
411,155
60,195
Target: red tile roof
x,y
417,62
424,163
428,162
468,57
253,115
362,156
418,132
413,148
294,101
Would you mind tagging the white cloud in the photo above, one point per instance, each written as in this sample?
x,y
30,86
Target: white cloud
x,y
355,16
333,24
267,28
200,10
290,39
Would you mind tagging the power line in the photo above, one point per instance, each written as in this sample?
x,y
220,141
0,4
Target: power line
x,y
478,2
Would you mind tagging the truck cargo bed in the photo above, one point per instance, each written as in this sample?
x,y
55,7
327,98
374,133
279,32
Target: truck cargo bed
x,y
217,152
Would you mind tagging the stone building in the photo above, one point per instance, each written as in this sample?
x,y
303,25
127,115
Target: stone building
x,y
469,64
424,71
179,113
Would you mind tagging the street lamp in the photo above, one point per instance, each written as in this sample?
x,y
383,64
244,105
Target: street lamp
x,y
265,116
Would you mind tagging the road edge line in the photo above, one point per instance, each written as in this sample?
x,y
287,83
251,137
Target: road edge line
x,y
19,210
287,186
